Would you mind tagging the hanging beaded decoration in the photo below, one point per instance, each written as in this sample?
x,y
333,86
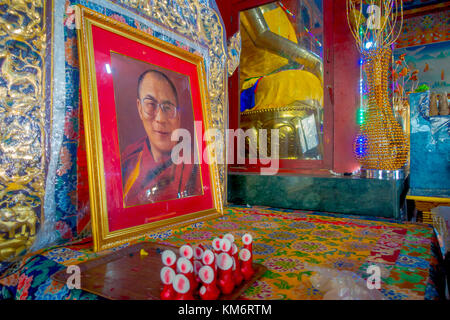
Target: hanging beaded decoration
x,y
381,143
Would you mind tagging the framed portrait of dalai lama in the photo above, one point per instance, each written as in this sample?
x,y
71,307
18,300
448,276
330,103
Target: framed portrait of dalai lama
x,y
145,110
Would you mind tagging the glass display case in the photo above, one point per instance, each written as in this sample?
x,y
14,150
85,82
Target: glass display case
x,y
298,74
281,76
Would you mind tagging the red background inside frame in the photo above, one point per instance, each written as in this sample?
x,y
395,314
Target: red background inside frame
x,y
119,217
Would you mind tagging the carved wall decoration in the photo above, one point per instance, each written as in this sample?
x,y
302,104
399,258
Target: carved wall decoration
x,y
234,53
22,122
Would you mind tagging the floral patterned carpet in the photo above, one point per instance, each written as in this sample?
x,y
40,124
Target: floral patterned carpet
x,y
290,243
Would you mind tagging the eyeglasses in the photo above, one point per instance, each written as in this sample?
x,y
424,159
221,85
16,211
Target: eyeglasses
x,y
150,107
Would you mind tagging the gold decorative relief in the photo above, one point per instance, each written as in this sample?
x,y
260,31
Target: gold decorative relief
x,y
22,116
234,53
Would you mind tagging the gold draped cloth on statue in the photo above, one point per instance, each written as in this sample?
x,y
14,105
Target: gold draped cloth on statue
x,y
277,87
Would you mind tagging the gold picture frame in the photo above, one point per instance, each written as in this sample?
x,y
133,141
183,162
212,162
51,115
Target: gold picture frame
x,y
101,137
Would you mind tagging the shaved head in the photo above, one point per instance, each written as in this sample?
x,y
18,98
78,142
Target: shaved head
x,y
159,75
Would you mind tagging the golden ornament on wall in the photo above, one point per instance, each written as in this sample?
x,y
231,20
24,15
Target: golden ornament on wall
x,y
22,122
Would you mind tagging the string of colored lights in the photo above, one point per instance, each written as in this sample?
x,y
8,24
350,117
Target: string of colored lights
x,y
293,16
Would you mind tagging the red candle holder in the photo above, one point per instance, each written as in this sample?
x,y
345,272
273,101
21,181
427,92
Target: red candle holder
x,y
226,246
217,245
246,264
167,277
182,287
209,259
187,252
237,273
247,240
225,274
229,237
169,259
209,290
197,266
198,252
185,267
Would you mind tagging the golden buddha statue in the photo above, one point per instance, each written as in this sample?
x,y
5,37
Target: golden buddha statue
x,y
281,82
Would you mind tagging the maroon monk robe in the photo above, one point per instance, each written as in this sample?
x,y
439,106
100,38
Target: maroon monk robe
x,y
146,181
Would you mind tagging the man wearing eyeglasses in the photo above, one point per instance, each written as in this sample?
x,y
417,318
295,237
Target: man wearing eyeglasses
x,y
148,173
